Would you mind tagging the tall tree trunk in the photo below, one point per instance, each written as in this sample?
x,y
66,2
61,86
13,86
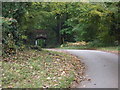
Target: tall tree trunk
x,y
58,29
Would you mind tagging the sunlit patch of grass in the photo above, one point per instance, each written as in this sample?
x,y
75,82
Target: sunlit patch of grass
x,y
40,69
75,47
112,48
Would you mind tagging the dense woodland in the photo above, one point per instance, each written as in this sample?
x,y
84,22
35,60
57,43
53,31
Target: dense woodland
x,y
97,23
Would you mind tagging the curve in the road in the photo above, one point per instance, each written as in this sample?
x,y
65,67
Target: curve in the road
x,y
102,68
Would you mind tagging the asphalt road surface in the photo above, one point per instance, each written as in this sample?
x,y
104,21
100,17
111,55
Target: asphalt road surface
x,y
101,68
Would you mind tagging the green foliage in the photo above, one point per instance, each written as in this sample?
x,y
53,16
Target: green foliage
x,y
89,22
63,21
12,12
96,43
9,45
36,48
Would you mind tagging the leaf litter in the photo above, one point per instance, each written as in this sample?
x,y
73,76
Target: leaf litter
x,y
42,69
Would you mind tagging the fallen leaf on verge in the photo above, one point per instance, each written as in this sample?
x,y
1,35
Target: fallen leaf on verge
x,y
89,79
48,78
10,86
63,73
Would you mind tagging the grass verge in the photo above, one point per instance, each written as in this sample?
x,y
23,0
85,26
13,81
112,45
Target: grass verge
x,y
41,69
112,49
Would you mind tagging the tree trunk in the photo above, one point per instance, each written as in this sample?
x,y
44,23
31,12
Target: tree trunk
x,y
58,29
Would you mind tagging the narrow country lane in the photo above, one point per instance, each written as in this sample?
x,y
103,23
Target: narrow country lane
x,y
101,68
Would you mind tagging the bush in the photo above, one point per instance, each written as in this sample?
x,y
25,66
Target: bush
x,y
36,47
96,43
9,46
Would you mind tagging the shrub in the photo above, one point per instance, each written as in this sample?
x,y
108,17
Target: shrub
x,y
9,46
36,47
96,43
